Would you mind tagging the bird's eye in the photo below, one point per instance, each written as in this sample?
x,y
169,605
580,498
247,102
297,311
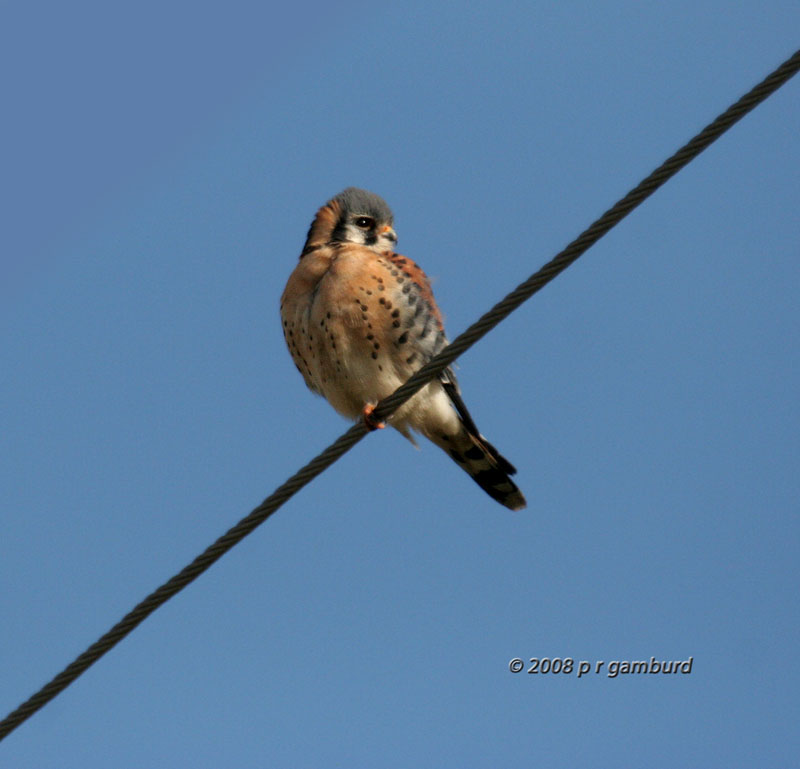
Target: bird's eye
x,y
365,222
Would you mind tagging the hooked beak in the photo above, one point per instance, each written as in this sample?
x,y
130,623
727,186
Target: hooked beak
x,y
388,233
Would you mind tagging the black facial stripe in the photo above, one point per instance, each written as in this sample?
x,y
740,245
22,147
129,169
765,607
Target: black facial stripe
x,y
339,234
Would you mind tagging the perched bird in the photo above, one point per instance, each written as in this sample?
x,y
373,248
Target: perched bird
x,y
360,319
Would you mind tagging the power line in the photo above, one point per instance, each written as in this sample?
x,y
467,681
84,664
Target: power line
x,y
388,405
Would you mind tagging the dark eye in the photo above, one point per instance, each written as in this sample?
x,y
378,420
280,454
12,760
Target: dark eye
x,y
365,222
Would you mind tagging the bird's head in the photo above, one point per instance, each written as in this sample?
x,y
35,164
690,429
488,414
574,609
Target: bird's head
x,y
354,216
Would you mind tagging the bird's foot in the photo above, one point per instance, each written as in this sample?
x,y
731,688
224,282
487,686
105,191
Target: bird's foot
x,y
369,420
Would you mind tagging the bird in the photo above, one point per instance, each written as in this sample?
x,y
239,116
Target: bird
x,y
359,319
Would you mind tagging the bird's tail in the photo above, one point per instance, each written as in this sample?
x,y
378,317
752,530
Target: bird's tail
x,y
475,455
486,466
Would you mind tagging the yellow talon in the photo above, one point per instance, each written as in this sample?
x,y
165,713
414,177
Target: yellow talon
x,y
369,420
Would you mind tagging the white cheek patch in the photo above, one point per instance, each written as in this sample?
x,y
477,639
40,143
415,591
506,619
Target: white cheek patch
x,y
355,235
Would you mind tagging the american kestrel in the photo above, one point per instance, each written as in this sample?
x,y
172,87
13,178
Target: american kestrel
x,y
360,319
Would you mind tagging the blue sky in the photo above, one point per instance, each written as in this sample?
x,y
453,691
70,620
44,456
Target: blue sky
x,y
161,166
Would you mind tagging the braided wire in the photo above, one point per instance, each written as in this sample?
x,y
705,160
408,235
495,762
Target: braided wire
x,y
388,405
591,235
